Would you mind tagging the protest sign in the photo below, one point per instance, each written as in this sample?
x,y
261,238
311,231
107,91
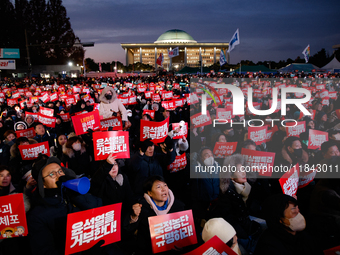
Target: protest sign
x,y
221,150
13,216
179,164
199,120
31,151
46,120
289,181
258,134
114,122
296,130
172,229
157,131
150,112
29,133
316,138
214,246
46,111
108,142
259,161
86,121
182,130
86,228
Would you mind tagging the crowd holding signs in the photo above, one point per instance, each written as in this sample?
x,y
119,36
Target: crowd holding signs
x,y
130,137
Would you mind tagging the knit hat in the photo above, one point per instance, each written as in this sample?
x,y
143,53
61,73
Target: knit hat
x,y
218,227
145,144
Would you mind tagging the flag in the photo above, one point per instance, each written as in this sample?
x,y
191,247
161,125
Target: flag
x,y
100,67
306,53
222,58
160,59
173,53
235,40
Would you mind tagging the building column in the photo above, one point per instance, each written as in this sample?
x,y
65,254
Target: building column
x,y
170,67
140,55
200,57
126,57
214,55
185,56
155,57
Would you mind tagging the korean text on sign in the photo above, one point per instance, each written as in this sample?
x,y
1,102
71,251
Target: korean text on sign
x,y
157,131
85,228
29,152
108,142
259,161
12,216
172,229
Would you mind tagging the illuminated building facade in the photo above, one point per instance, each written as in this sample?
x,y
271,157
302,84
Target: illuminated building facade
x,y
190,51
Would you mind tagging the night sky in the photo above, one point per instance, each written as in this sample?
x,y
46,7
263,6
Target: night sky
x,y
269,30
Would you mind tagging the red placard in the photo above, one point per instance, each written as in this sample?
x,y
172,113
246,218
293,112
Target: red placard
x,y
83,122
221,150
54,97
70,100
15,95
179,164
46,111
45,98
167,95
141,88
148,94
199,120
260,161
316,138
297,130
156,98
332,251
12,102
214,246
76,89
179,102
157,131
13,216
31,151
150,112
289,181
333,95
132,100
183,131
306,177
114,122
108,142
172,229
169,105
22,104
258,134
85,228
46,120
64,116
224,113
29,133
2,95
320,86
193,98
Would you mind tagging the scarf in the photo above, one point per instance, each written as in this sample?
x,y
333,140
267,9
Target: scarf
x,y
243,189
119,179
170,200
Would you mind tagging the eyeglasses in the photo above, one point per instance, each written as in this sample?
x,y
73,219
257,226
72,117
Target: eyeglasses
x,y
53,175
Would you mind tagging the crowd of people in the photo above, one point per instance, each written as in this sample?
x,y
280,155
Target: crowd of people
x,y
248,213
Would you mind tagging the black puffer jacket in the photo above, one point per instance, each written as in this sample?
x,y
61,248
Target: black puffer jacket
x,y
47,220
232,208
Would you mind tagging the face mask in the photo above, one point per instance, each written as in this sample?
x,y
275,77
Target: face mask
x,y
298,223
298,152
209,161
108,97
76,146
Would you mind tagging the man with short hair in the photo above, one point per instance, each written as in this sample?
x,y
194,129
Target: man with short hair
x,y
42,135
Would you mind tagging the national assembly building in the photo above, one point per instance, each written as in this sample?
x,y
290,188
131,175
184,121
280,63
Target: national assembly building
x,y
190,51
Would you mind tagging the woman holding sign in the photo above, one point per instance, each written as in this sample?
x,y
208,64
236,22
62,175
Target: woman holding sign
x,y
158,200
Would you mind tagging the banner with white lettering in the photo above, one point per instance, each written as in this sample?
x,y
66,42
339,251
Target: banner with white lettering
x,y
289,181
157,131
108,142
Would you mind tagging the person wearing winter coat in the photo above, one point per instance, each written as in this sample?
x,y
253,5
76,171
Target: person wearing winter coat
x,y
51,203
109,104
286,232
75,156
158,200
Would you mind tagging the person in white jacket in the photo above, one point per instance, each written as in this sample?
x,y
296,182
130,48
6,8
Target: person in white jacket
x,y
110,104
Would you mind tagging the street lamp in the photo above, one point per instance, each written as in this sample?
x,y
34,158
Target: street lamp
x,y
70,63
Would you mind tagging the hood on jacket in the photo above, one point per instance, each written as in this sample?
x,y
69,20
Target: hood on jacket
x,y
70,152
102,97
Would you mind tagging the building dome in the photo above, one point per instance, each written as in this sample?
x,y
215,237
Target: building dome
x,y
175,36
